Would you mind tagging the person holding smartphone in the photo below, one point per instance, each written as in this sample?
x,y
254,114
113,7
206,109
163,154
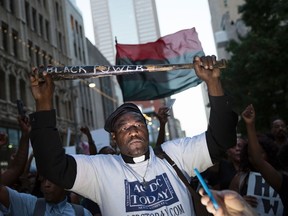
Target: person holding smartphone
x,y
230,203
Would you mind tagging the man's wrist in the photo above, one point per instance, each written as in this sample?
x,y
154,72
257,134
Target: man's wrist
x,y
215,87
43,107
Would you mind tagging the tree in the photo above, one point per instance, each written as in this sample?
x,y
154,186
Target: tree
x,y
257,71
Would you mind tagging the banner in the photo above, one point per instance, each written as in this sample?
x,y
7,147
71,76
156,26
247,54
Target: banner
x,y
177,48
269,202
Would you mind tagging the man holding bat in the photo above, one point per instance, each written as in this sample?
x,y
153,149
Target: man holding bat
x,y
136,182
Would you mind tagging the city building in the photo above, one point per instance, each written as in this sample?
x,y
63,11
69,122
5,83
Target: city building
x,y
41,32
226,24
129,21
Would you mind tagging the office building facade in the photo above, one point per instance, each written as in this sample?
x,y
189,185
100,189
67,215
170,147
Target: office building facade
x,y
42,32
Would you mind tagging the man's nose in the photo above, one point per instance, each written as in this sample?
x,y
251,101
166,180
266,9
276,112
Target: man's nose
x,y
133,130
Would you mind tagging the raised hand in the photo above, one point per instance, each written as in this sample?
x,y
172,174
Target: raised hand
x,y
163,114
24,124
249,114
204,67
85,130
92,147
42,89
205,70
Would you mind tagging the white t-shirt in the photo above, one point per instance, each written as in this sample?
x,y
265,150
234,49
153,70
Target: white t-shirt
x,y
118,187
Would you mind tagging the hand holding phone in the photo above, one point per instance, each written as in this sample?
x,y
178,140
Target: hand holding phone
x,y
20,108
206,189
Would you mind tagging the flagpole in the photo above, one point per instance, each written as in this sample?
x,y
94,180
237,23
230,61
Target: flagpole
x,y
85,72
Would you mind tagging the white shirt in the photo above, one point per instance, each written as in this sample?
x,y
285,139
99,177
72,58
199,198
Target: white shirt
x,y
116,186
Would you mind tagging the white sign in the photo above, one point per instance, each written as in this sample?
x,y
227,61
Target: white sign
x,y
269,202
101,138
71,150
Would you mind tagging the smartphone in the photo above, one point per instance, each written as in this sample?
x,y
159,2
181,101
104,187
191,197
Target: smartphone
x,y
20,107
206,188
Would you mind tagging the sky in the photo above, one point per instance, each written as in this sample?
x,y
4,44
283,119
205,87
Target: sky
x,y
175,15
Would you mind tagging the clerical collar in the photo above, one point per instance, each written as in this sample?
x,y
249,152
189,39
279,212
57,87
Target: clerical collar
x,y
133,160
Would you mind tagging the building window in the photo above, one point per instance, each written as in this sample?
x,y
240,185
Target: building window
x,y
30,52
23,91
57,11
12,86
15,43
27,13
91,117
84,58
5,38
64,47
37,53
11,6
59,41
83,114
34,17
81,33
41,25
88,117
79,51
76,26
50,59
72,22
44,62
70,114
75,49
2,85
47,27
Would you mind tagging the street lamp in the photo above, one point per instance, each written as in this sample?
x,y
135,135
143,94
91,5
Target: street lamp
x,y
92,85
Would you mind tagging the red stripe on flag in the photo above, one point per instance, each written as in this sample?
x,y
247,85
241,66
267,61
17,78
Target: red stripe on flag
x,y
169,46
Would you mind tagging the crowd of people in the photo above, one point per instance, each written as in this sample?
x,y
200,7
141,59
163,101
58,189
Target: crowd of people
x,y
246,175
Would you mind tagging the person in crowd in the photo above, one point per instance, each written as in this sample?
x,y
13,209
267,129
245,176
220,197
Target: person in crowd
x,y
230,203
92,147
54,202
136,181
243,182
275,178
18,161
162,115
279,131
107,150
220,176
